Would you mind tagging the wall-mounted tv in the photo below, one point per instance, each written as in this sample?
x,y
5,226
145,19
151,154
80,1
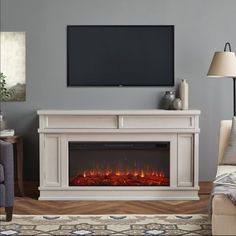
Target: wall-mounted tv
x,y
115,55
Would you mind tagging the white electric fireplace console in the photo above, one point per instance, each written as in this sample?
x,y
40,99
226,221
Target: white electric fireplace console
x,y
179,129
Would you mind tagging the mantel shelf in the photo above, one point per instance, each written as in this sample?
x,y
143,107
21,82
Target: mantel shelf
x,y
119,112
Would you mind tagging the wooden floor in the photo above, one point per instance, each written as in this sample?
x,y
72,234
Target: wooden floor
x,y
29,205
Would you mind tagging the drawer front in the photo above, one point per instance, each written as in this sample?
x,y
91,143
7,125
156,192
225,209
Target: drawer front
x,y
158,122
82,122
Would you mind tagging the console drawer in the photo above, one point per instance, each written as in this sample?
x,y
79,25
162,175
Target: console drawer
x,y
158,122
81,121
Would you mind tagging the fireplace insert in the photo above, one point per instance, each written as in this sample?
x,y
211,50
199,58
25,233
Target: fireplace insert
x,y
119,163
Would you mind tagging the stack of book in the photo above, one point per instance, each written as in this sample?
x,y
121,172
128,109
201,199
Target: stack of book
x,y
7,132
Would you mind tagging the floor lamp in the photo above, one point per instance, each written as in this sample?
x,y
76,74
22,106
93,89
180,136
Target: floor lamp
x,y
224,65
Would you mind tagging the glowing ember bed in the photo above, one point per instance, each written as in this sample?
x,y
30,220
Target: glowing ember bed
x,y
119,179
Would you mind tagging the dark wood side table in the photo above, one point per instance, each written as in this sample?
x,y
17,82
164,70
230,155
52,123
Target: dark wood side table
x,y
18,141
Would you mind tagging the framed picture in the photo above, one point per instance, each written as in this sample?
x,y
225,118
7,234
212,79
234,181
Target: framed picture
x,y
12,66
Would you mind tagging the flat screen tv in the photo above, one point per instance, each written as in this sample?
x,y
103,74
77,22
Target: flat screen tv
x,y
127,55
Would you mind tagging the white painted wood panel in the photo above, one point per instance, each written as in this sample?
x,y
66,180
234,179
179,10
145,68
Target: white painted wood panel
x,y
120,112
185,160
51,160
114,193
195,158
81,122
118,130
156,122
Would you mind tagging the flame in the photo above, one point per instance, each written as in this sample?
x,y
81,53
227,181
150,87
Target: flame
x,y
142,174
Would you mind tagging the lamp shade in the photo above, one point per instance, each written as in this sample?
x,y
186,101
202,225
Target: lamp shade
x,y
223,65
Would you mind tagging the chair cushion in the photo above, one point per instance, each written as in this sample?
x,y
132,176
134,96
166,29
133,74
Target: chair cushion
x,y
1,173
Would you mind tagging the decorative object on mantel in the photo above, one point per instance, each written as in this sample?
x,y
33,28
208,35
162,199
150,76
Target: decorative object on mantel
x,y
177,104
224,65
183,93
167,100
12,79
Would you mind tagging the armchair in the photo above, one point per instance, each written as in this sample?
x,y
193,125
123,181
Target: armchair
x,y
223,210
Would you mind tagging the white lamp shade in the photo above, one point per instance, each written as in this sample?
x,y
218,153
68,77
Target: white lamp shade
x,y
223,65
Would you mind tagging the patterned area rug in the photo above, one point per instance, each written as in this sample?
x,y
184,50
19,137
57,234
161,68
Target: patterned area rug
x,y
107,225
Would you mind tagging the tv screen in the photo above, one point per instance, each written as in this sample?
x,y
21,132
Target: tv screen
x,y
120,55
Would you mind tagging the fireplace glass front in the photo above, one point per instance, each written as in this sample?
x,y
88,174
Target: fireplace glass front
x,y
119,163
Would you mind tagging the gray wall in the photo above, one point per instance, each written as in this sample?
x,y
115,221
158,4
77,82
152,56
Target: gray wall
x,y
201,27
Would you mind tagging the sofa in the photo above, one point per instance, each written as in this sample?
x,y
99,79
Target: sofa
x,y
6,178
223,210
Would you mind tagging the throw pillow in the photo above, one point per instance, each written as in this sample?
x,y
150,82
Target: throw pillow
x,y
230,151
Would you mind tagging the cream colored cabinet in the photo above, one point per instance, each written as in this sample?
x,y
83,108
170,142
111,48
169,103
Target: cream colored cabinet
x,y
59,127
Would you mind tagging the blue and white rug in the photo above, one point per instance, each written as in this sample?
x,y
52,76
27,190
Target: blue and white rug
x,y
107,225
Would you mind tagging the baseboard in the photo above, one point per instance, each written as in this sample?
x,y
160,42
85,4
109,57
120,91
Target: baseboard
x,y
31,188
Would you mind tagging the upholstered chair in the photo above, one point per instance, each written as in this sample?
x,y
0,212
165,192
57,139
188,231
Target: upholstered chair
x,y
223,210
6,178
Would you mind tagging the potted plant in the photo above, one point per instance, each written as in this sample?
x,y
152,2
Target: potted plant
x,y
5,93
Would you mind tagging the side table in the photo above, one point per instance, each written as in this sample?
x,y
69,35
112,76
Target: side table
x,y
18,141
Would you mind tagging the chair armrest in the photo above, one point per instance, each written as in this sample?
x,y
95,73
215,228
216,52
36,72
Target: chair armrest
x,y
7,160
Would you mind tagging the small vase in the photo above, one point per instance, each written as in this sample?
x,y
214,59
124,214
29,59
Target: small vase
x,y
167,100
183,93
177,104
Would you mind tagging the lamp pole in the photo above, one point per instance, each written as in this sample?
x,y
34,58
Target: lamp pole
x,y
234,79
